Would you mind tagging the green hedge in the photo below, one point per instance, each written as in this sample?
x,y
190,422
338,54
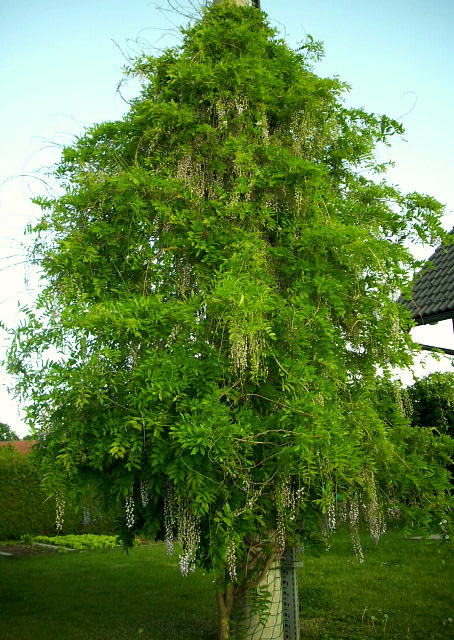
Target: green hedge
x,y
25,508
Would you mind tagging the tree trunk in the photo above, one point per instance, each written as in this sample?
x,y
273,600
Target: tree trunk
x,y
257,614
224,599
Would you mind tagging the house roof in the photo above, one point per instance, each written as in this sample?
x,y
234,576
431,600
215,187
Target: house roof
x,y
433,291
22,446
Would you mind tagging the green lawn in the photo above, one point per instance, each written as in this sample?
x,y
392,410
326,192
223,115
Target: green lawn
x,y
403,591
104,595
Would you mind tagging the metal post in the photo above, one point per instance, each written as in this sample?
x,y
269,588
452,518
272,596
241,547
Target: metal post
x,y
290,601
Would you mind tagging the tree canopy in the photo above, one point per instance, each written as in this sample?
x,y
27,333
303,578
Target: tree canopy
x,y
6,433
220,279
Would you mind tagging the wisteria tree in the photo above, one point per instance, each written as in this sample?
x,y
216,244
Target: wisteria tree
x,y
220,277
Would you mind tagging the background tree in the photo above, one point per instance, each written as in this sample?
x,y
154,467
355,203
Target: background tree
x,y
220,278
432,399
6,433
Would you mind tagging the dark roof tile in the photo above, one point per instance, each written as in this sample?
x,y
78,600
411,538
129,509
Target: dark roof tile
x,y
433,291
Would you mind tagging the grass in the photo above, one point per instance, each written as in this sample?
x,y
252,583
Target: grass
x,y
402,592
104,595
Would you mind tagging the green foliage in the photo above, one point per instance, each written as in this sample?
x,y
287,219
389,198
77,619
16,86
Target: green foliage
x,y
221,278
424,453
6,433
393,401
432,400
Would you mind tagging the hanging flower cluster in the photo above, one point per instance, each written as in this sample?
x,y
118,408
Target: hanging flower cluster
x,y
129,511
373,513
364,503
144,493
180,520
59,510
170,516
231,560
331,516
288,500
189,536
329,522
393,512
353,519
86,516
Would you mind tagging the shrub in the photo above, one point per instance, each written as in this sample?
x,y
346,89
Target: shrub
x,y
81,542
23,504
25,507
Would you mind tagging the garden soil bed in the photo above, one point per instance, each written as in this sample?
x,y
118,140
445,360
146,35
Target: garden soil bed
x,y
25,550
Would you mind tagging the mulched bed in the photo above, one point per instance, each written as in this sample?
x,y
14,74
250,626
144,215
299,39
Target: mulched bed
x,y
20,550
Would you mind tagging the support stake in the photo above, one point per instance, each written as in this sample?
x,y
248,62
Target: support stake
x,y
290,600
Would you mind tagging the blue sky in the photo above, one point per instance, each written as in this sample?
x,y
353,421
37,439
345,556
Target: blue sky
x,y
60,64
